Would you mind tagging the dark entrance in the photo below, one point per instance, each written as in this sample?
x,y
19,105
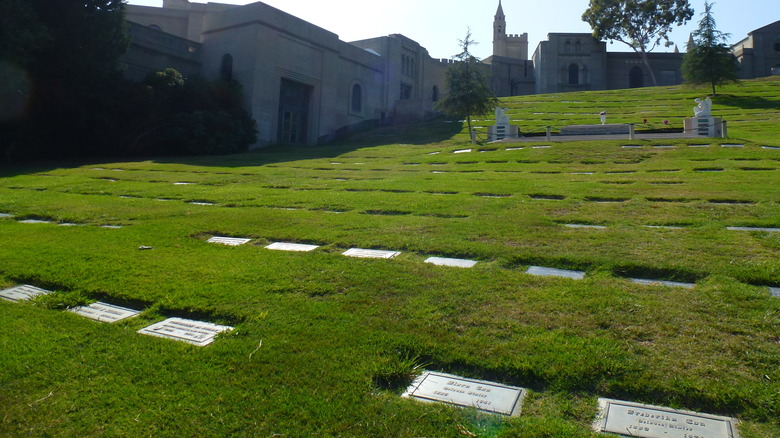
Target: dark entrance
x,y
293,112
636,79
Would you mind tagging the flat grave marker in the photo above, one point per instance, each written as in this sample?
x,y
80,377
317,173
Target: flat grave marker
x,y
462,151
444,261
542,147
768,230
458,391
34,221
22,292
230,241
771,147
200,203
775,291
733,145
182,183
647,421
596,227
665,227
370,253
3,215
198,333
514,149
104,312
111,227
698,145
631,146
552,272
662,283
298,247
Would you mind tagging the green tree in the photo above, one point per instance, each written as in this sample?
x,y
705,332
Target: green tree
x,y
67,59
467,84
709,60
640,24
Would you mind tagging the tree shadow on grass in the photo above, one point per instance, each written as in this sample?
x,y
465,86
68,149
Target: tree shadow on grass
x,y
747,102
432,131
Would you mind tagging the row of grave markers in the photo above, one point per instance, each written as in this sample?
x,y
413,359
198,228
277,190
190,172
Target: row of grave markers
x,y
444,261
614,416
199,333
453,262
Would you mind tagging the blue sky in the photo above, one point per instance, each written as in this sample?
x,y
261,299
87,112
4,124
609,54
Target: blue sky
x,y
438,25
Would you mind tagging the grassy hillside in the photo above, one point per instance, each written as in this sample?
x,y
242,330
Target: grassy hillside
x,y
324,344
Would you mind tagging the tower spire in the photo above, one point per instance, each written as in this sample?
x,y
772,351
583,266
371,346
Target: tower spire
x,y
500,11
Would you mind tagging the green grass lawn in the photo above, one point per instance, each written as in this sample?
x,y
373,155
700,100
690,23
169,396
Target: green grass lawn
x,y
325,344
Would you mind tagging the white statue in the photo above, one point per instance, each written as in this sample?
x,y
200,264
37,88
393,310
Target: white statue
x,y
501,117
704,108
603,115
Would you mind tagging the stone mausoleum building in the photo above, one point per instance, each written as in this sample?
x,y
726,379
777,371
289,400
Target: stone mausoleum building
x,y
303,85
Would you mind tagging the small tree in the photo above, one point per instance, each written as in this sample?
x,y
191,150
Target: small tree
x,y
468,90
640,24
709,60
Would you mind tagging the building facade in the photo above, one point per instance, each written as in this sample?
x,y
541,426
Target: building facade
x,y
301,83
579,62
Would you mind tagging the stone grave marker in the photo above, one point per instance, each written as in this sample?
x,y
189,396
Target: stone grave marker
x,y
647,421
200,203
768,230
775,291
104,312
198,333
370,253
22,292
597,227
230,241
631,146
34,221
462,151
458,263
3,215
771,147
663,283
733,145
698,145
552,272
182,183
299,247
111,227
434,153
458,391
541,147
666,227
515,149
664,146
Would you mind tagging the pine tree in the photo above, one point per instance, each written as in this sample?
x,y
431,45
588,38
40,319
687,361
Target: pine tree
x,y
467,83
709,60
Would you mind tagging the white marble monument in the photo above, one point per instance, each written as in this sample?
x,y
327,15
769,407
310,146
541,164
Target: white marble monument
x,y
502,129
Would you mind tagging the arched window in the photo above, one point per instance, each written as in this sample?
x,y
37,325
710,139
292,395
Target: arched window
x,y
226,71
568,47
578,46
636,78
435,95
574,74
356,100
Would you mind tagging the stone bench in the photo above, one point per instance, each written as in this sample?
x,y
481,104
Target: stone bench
x,y
611,129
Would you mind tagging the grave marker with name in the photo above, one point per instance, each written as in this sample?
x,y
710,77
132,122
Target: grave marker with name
x,y
647,421
458,263
479,394
198,333
283,246
370,253
552,272
22,292
230,241
662,283
104,312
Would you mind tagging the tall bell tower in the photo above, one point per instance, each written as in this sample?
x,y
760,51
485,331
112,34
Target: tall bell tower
x,y
499,32
508,45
